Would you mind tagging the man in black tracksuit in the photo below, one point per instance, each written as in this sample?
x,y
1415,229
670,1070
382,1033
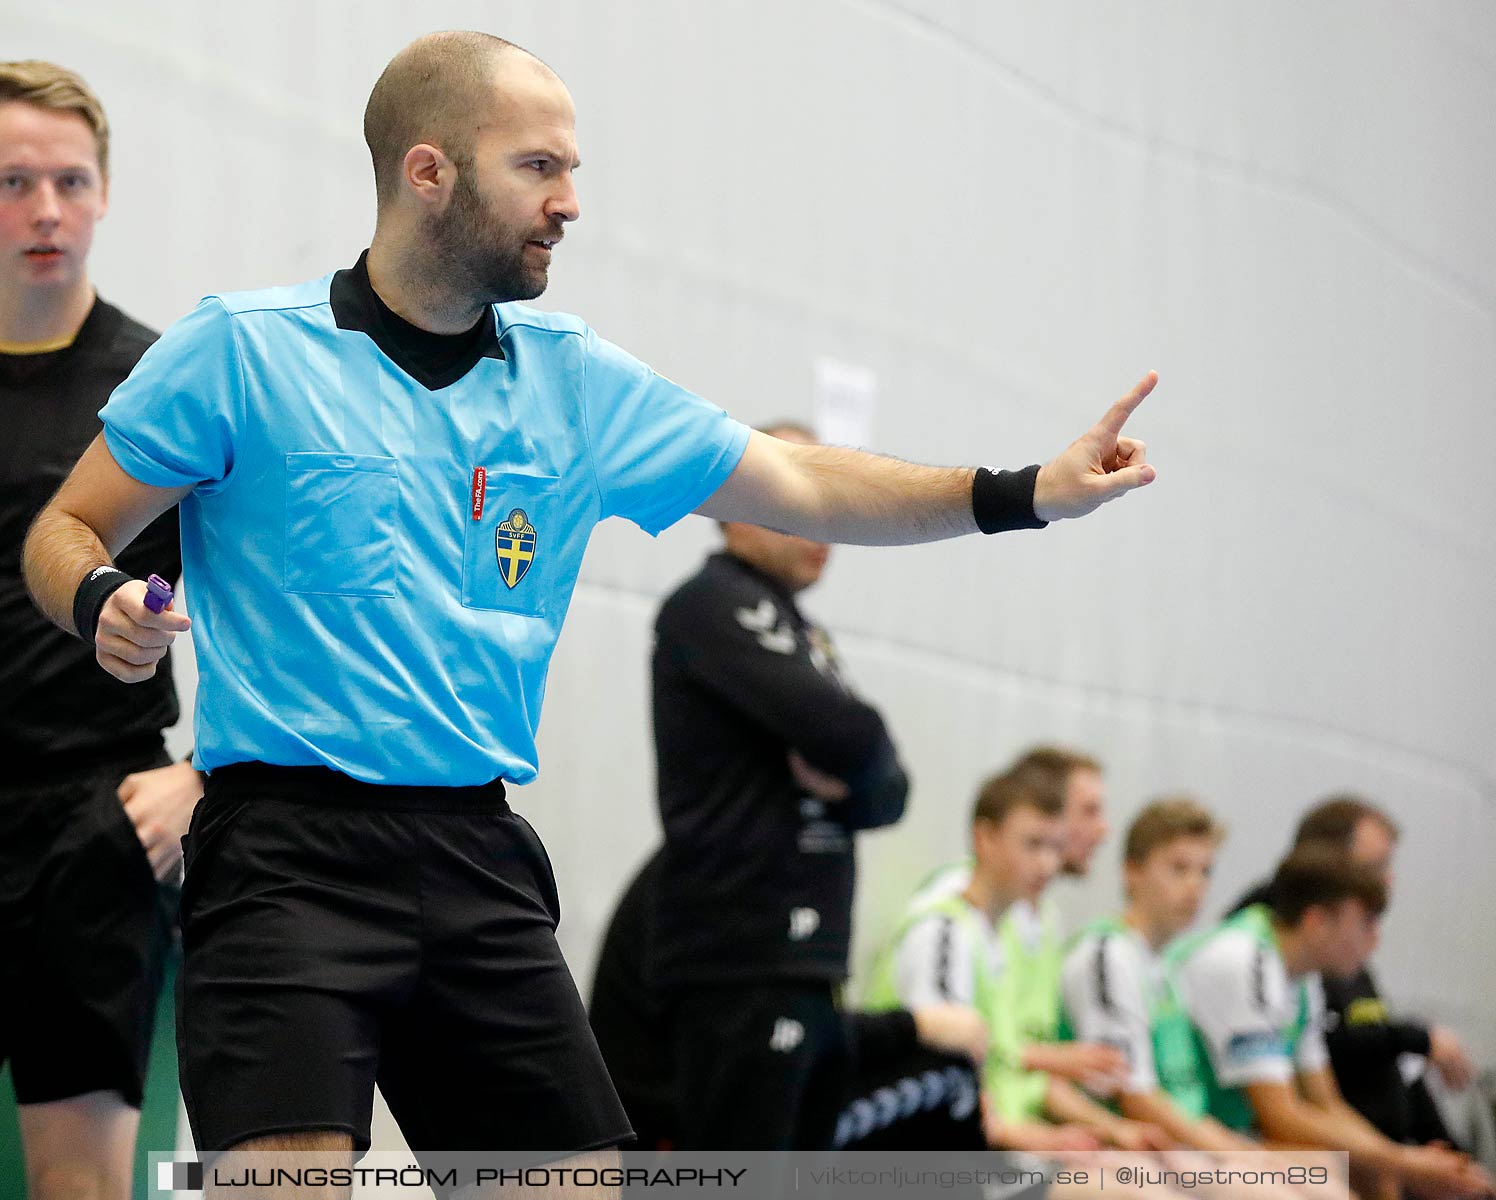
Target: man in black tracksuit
x,y
937,1050
768,764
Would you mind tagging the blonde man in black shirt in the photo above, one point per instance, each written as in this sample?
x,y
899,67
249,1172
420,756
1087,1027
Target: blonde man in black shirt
x,y
91,815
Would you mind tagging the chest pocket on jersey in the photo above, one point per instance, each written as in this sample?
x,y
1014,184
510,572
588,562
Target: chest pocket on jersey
x,y
342,511
511,551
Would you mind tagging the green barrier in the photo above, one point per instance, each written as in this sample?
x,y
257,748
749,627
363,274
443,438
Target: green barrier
x,y
158,1112
12,1165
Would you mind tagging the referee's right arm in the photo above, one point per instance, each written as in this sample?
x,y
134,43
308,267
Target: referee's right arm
x,y
96,513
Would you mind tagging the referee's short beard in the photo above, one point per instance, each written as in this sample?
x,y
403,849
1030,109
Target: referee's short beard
x,y
482,251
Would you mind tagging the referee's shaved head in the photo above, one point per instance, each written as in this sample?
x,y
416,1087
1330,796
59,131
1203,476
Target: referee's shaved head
x,y
437,91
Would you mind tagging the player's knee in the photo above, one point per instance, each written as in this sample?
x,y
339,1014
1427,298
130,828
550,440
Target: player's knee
x,y
75,1181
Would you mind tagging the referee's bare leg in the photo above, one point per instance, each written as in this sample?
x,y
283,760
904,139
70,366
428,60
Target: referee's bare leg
x,y
81,1148
330,1150
595,1160
256,1157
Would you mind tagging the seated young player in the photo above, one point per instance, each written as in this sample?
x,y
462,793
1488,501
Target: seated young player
x,y
1366,1040
1252,991
1031,944
948,950
1117,988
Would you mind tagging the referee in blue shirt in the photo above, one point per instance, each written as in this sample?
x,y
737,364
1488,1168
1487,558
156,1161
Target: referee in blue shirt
x,y
387,479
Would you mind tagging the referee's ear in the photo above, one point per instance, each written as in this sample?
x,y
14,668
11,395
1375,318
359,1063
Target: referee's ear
x,y
429,176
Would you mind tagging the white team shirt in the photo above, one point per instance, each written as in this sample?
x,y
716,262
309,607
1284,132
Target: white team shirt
x,y
937,960
1029,921
1239,996
1108,983
950,880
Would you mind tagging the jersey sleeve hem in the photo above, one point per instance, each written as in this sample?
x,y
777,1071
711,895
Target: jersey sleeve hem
x,y
135,463
716,475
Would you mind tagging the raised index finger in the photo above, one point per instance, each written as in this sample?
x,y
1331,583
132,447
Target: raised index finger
x,y
1117,415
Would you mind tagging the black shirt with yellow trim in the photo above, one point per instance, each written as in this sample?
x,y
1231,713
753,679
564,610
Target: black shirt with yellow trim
x,y
58,707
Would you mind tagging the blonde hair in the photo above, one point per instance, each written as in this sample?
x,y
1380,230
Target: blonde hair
x,y
1165,820
56,89
1005,793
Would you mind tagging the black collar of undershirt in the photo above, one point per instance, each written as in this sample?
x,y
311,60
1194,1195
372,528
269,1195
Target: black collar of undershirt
x,y
434,360
772,582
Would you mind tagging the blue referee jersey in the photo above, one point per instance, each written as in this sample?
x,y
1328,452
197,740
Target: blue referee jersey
x,y
379,566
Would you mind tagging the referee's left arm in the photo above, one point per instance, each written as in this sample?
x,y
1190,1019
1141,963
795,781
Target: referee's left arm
x,y
830,494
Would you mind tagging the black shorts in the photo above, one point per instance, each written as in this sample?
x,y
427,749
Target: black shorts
x,y
760,1067
337,934
84,932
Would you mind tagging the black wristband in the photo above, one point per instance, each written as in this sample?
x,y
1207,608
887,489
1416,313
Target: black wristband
x,y
1004,500
88,601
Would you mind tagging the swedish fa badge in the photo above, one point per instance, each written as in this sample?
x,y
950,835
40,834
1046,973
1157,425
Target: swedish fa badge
x,y
514,542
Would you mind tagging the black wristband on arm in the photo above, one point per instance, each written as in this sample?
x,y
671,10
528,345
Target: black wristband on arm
x,y
88,601
1004,500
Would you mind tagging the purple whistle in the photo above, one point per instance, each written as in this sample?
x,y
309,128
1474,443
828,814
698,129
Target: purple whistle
x,y
157,593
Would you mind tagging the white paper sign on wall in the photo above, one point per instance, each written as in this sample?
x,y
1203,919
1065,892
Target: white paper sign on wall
x,y
846,397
